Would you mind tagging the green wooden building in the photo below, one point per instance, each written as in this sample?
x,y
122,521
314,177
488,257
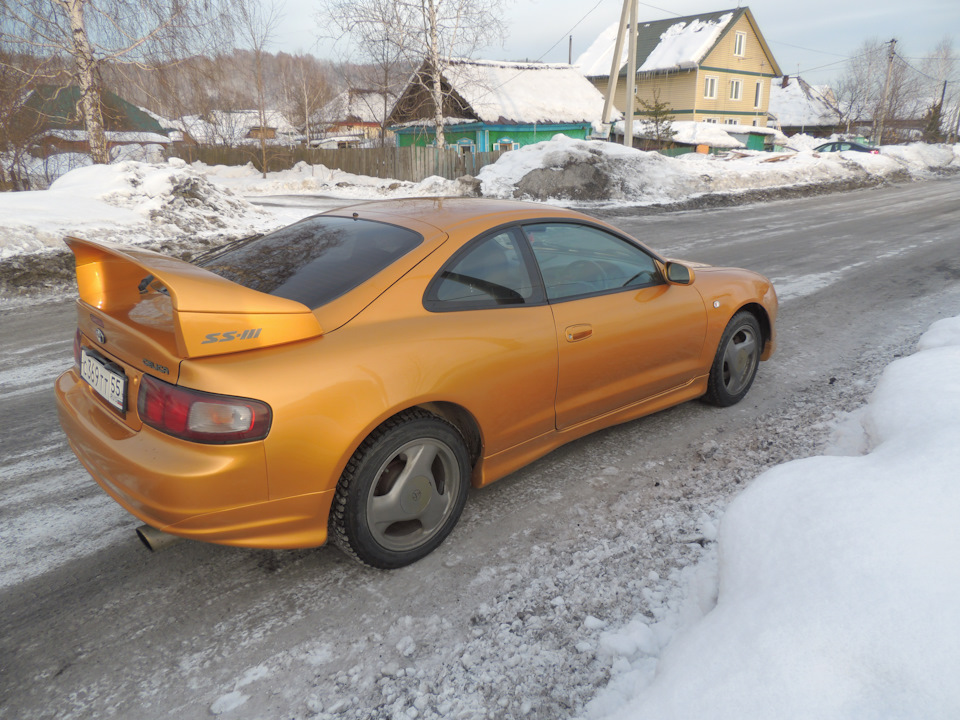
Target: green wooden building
x,y
498,105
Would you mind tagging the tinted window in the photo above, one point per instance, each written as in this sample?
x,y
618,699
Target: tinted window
x,y
315,260
490,272
580,260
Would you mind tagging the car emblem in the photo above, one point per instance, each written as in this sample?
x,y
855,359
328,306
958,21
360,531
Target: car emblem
x,y
101,338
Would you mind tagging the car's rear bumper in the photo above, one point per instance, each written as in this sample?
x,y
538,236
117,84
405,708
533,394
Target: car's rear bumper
x,y
214,493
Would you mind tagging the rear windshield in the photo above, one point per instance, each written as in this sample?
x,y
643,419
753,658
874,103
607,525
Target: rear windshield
x,y
315,260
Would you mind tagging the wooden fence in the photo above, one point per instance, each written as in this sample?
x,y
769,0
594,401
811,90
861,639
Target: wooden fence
x,y
400,163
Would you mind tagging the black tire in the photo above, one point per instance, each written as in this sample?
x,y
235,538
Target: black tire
x,y
402,492
735,364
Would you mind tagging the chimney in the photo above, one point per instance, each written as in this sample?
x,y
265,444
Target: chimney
x,y
786,81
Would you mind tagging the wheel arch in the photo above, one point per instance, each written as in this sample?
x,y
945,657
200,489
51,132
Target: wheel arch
x,y
763,318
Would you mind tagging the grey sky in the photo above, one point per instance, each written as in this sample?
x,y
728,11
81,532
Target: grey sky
x,y
811,35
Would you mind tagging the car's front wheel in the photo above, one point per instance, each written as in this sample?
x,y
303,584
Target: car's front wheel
x,y
402,491
735,364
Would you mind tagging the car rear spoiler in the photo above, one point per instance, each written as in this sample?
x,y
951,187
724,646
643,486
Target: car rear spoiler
x,y
207,314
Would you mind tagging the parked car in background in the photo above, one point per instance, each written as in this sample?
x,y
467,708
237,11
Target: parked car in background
x,y
356,372
843,145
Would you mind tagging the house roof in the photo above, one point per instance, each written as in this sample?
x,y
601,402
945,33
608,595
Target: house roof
x,y
357,105
56,107
800,104
679,43
496,92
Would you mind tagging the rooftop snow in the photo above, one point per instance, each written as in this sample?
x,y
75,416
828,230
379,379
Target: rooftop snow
x,y
800,104
683,43
525,92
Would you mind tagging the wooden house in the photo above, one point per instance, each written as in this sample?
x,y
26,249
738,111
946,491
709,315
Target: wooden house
x,y
492,105
356,113
712,67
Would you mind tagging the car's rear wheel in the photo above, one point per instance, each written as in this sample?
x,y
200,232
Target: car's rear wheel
x,y
735,364
402,491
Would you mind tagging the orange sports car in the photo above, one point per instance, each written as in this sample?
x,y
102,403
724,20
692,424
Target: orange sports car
x,y
355,373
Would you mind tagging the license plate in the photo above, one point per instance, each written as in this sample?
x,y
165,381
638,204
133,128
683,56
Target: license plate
x,y
108,383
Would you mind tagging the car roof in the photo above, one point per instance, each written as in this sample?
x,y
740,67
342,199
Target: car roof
x,y
445,213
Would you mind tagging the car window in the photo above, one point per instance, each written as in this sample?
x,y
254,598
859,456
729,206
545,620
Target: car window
x,y
578,260
843,146
490,272
315,260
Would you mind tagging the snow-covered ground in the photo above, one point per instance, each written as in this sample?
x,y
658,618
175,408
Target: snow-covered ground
x,y
180,207
831,592
824,590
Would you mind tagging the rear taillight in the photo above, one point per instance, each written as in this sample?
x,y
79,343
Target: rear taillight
x,y
199,416
76,348
874,152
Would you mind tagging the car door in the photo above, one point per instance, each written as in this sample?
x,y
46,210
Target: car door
x,y
497,334
623,333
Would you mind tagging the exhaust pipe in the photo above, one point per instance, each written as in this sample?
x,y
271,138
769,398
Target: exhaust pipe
x,y
154,539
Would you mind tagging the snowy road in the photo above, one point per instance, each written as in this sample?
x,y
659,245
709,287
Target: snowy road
x,y
502,621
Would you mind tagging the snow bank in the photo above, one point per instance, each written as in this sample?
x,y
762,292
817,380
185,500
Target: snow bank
x,y
130,202
591,171
837,578
191,206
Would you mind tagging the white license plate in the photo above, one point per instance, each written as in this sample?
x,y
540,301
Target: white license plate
x,y
108,384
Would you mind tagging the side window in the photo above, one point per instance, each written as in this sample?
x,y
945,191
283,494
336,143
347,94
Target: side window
x,y
490,272
580,260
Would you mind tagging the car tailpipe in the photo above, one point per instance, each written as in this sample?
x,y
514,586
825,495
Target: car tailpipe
x,y
154,539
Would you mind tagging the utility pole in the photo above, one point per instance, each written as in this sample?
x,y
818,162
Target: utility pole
x,y
615,68
886,91
631,75
570,52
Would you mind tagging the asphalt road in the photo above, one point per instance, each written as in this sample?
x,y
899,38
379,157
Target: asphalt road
x,y
92,625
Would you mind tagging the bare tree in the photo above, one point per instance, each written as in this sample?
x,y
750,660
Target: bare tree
x,y
428,34
379,35
92,33
306,87
256,22
860,91
941,77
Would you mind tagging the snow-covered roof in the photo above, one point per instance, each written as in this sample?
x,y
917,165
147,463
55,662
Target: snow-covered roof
x,y
520,93
113,136
800,104
357,105
677,43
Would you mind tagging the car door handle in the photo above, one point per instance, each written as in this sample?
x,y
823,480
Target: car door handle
x,y
576,333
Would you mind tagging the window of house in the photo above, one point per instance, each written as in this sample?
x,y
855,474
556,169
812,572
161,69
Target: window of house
x,y
505,144
730,121
577,260
710,87
739,43
756,123
757,95
711,120
736,89
490,272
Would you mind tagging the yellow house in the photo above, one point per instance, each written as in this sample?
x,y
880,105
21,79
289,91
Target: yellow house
x,y
712,67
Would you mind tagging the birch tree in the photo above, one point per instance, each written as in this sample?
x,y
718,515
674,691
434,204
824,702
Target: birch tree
x,y
91,33
256,22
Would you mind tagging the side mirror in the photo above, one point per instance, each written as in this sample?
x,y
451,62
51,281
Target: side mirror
x,y
678,274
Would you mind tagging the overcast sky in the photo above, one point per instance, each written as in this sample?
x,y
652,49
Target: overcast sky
x,y
813,35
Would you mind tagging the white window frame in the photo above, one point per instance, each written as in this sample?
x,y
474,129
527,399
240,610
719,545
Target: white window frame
x,y
736,89
756,123
758,95
731,121
739,44
712,120
710,84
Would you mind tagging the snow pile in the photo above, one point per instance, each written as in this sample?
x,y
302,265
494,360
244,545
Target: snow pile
x,y
590,171
836,578
306,178
130,202
581,170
